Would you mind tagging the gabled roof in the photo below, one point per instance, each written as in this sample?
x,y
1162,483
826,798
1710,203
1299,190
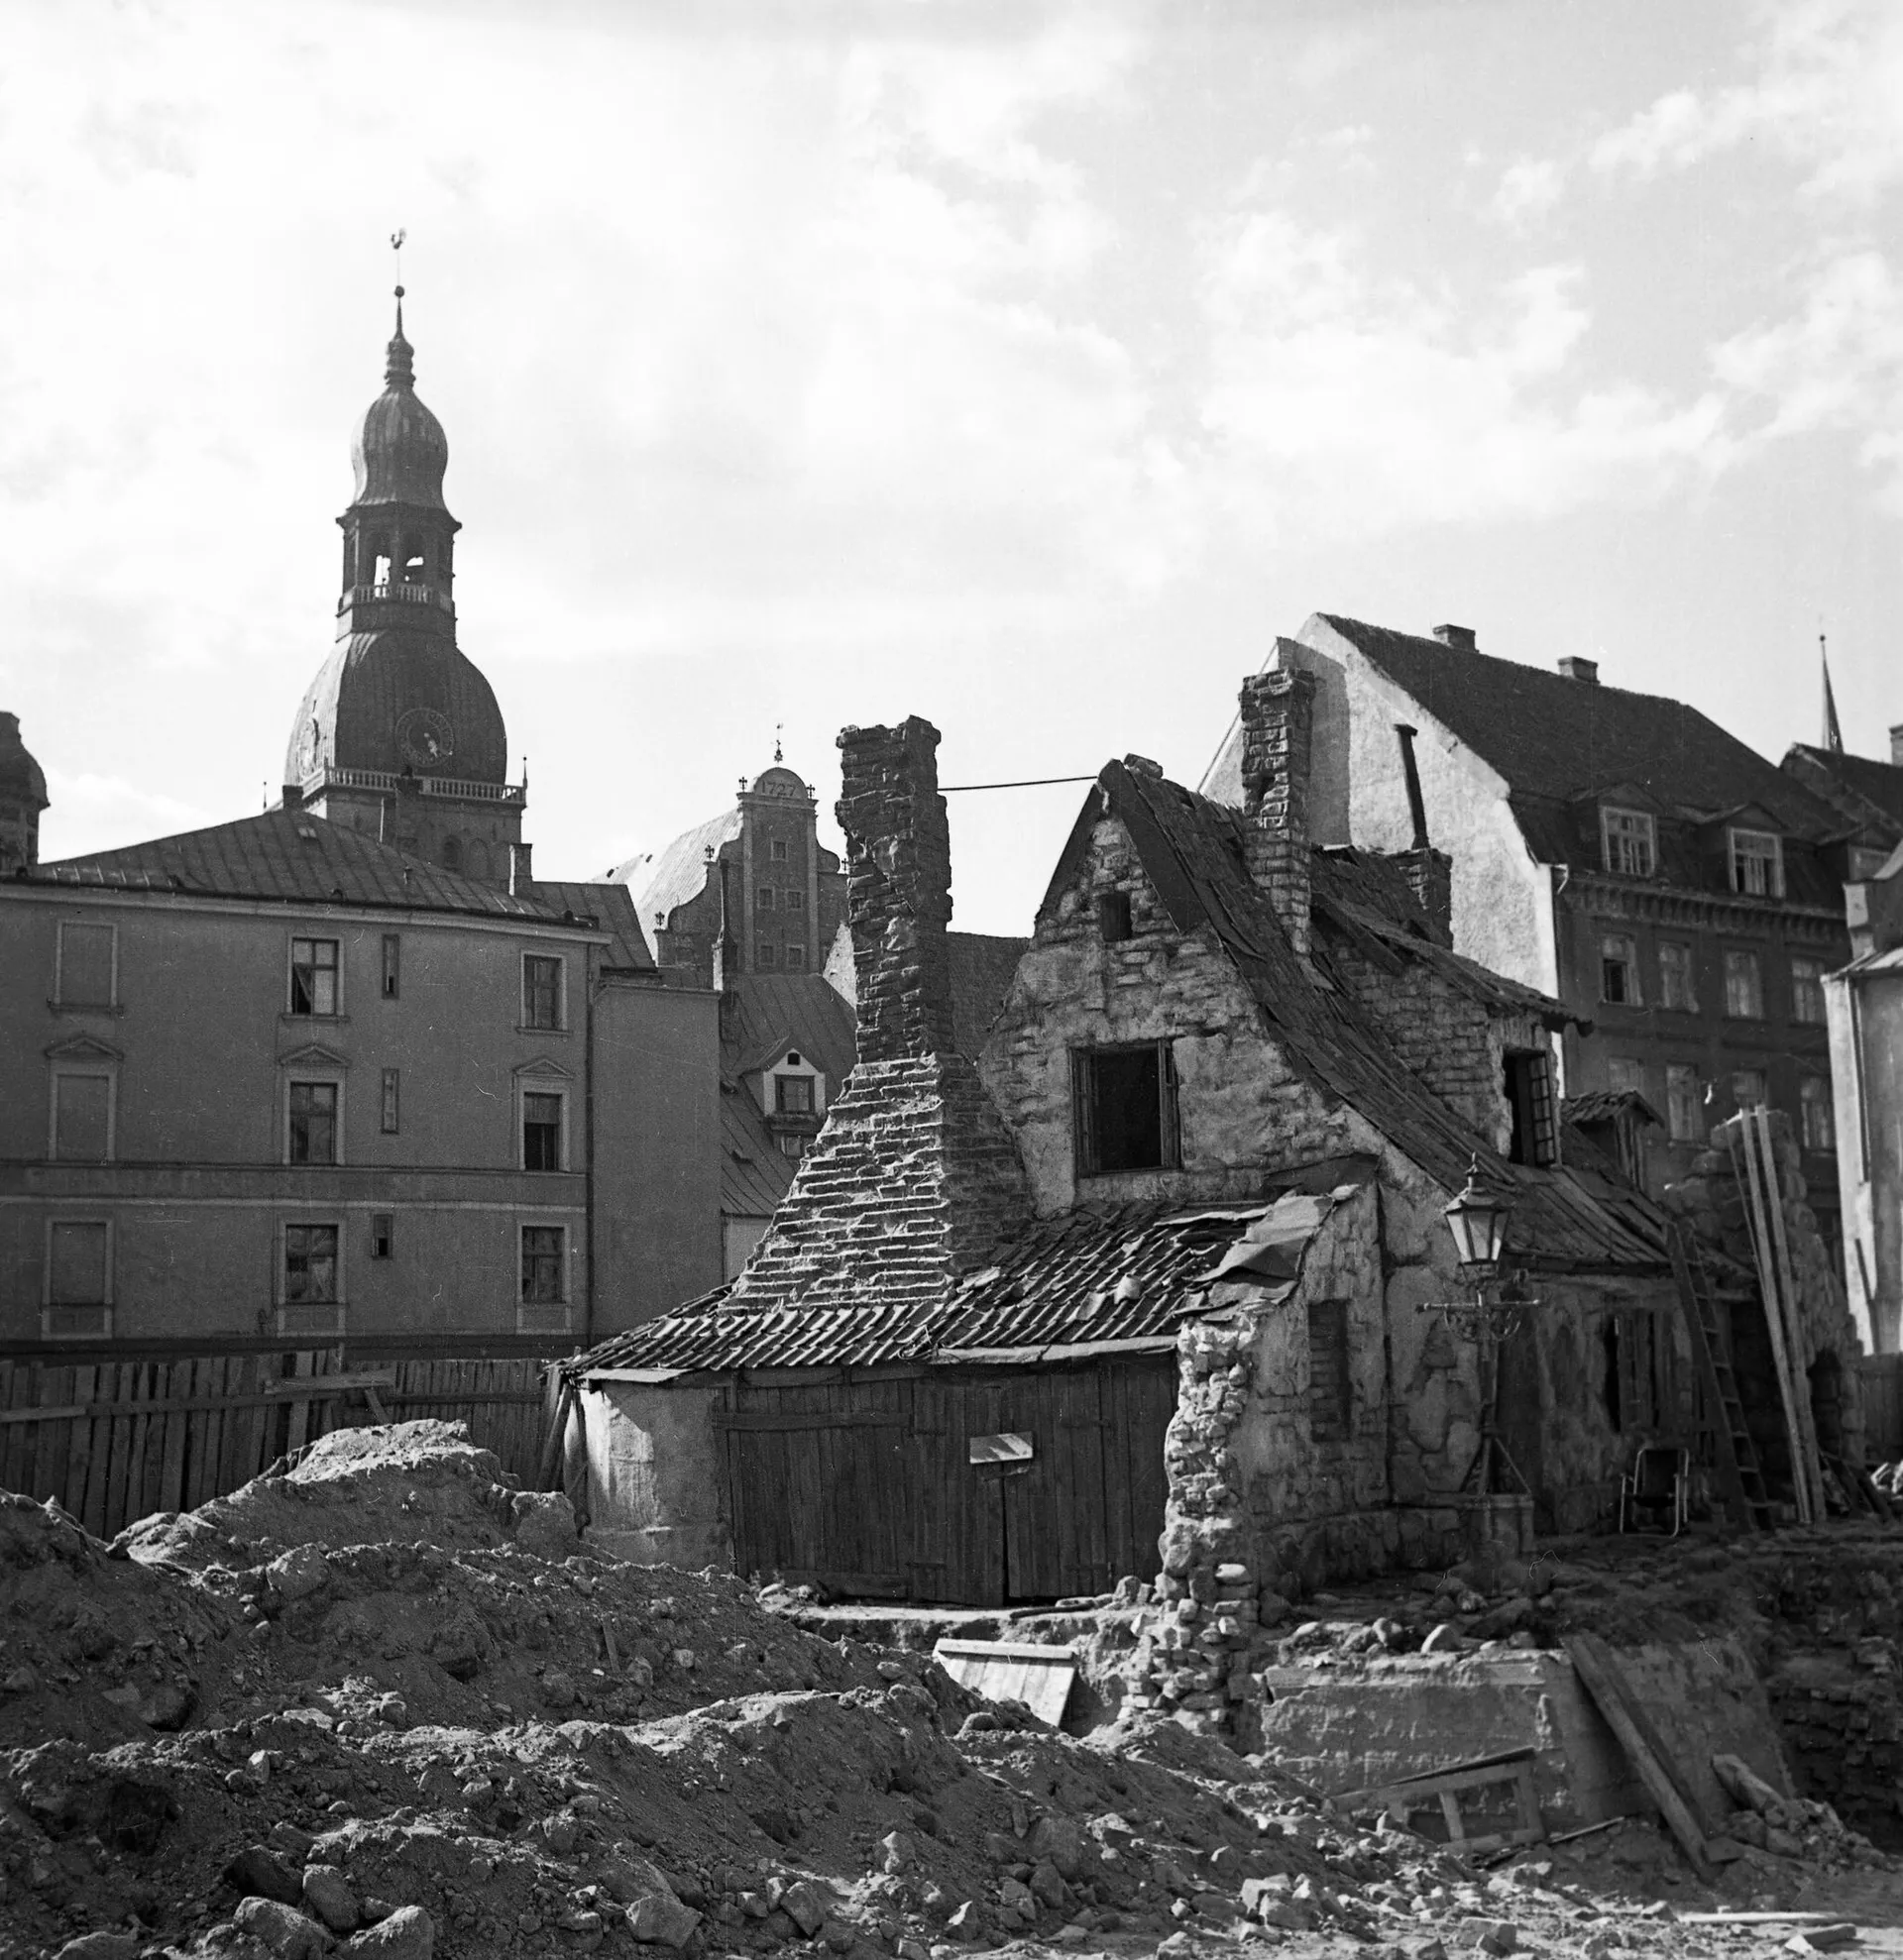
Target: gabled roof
x,y
766,1014
678,873
1554,737
1191,849
755,1173
291,856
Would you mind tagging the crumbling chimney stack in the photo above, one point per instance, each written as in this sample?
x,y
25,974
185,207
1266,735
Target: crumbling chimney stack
x,y
1278,739
898,864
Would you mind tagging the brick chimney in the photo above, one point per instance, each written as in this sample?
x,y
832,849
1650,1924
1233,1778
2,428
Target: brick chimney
x,y
1278,734
1461,638
1896,744
1576,666
912,1179
898,871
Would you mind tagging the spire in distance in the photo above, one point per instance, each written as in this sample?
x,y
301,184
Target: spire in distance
x,y
1832,732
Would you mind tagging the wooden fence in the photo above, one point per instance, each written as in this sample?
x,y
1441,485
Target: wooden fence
x,y
116,1439
1881,1380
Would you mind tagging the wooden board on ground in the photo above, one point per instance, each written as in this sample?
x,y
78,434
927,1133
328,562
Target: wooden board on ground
x,y
1612,1694
1401,1798
1012,1671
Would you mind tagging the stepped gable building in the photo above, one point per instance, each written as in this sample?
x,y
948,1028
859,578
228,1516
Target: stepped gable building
x,y
1680,894
400,735
344,1069
1144,1284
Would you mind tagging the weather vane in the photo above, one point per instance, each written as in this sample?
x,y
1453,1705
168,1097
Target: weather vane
x,y
396,246
779,729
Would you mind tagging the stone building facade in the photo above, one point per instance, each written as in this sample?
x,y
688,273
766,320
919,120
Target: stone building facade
x,y
1203,1037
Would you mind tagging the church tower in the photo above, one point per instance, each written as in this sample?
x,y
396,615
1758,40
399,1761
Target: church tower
x,y
400,735
23,796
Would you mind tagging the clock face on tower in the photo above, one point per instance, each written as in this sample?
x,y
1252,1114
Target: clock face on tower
x,y
425,738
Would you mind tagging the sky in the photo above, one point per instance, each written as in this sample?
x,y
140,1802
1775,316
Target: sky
x,y
1025,367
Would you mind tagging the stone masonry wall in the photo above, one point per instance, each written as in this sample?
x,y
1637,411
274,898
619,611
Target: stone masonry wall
x,y
1277,729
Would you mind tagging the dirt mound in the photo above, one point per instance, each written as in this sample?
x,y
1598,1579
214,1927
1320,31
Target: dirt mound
x,y
416,1482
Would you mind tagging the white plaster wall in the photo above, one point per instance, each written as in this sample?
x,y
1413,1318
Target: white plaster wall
x,y
654,1483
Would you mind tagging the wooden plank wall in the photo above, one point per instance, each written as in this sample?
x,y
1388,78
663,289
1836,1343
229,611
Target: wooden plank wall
x,y
1881,1380
114,1440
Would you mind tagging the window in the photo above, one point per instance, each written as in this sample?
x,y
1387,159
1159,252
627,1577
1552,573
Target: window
x,y
392,965
1624,1073
792,900
87,960
1630,843
793,1095
1618,969
1640,1384
82,1118
452,854
1743,986
310,1265
541,1131
796,960
314,1123
793,1144
1819,1117
1330,1390
776,850
393,1087
1684,1105
1125,1108
1675,985
544,1256
1747,1088
313,976
1529,1095
1807,990
1113,916
541,991
1757,864
766,956
79,1269
766,898
383,1233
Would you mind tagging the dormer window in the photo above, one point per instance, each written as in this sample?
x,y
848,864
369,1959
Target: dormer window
x,y
793,1095
1757,863
1628,841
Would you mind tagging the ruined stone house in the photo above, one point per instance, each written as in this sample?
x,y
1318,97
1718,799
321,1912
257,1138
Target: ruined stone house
x,y
1162,1262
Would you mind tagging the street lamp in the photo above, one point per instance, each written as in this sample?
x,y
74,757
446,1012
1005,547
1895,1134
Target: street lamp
x,y
1477,1220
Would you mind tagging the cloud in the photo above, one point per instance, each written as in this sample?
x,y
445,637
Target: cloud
x,y
1347,404
1827,91
1529,188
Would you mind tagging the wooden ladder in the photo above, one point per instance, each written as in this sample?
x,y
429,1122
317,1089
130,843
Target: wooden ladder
x,y
1740,1475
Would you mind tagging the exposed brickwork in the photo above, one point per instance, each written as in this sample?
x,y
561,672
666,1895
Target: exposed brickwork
x,y
1431,877
898,863
1278,737
914,1179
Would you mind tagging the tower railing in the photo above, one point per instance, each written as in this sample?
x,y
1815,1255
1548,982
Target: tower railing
x,y
395,594
429,786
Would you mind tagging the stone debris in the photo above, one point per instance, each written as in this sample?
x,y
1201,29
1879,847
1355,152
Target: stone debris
x,y
413,1727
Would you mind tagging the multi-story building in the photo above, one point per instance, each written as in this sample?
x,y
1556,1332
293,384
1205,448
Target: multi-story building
x,y
344,1067
1619,850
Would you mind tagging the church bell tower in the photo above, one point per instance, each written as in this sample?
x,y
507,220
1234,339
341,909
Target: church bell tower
x,y
401,734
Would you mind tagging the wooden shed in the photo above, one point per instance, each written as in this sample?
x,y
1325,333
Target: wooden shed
x,y
1006,1444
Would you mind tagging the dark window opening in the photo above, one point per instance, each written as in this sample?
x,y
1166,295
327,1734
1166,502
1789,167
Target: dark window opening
x,y
1529,1094
1113,916
1125,1108
541,1133
1330,1389
765,897
313,976
541,992
793,1095
796,960
383,1233
314,1123
452,854
392,1084
392,965
776,850
1614,1402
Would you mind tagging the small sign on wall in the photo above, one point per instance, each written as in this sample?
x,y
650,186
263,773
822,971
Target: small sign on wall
x,y
1012,1446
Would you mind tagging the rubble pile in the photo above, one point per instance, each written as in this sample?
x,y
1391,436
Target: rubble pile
x,y
382,1702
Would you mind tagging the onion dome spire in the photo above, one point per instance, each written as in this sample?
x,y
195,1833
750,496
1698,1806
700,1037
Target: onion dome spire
x,y
400,369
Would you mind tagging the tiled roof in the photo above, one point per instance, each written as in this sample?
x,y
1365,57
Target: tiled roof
x,y
1192,851
609,906
755,1171
1551,736
291,856
768,1013
1119,1275
981,964
1861,786
1606,1105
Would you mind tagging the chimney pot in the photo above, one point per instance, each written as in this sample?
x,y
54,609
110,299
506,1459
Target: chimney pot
x,y
1896,744
521,877
1576,666
1460,638
293,796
